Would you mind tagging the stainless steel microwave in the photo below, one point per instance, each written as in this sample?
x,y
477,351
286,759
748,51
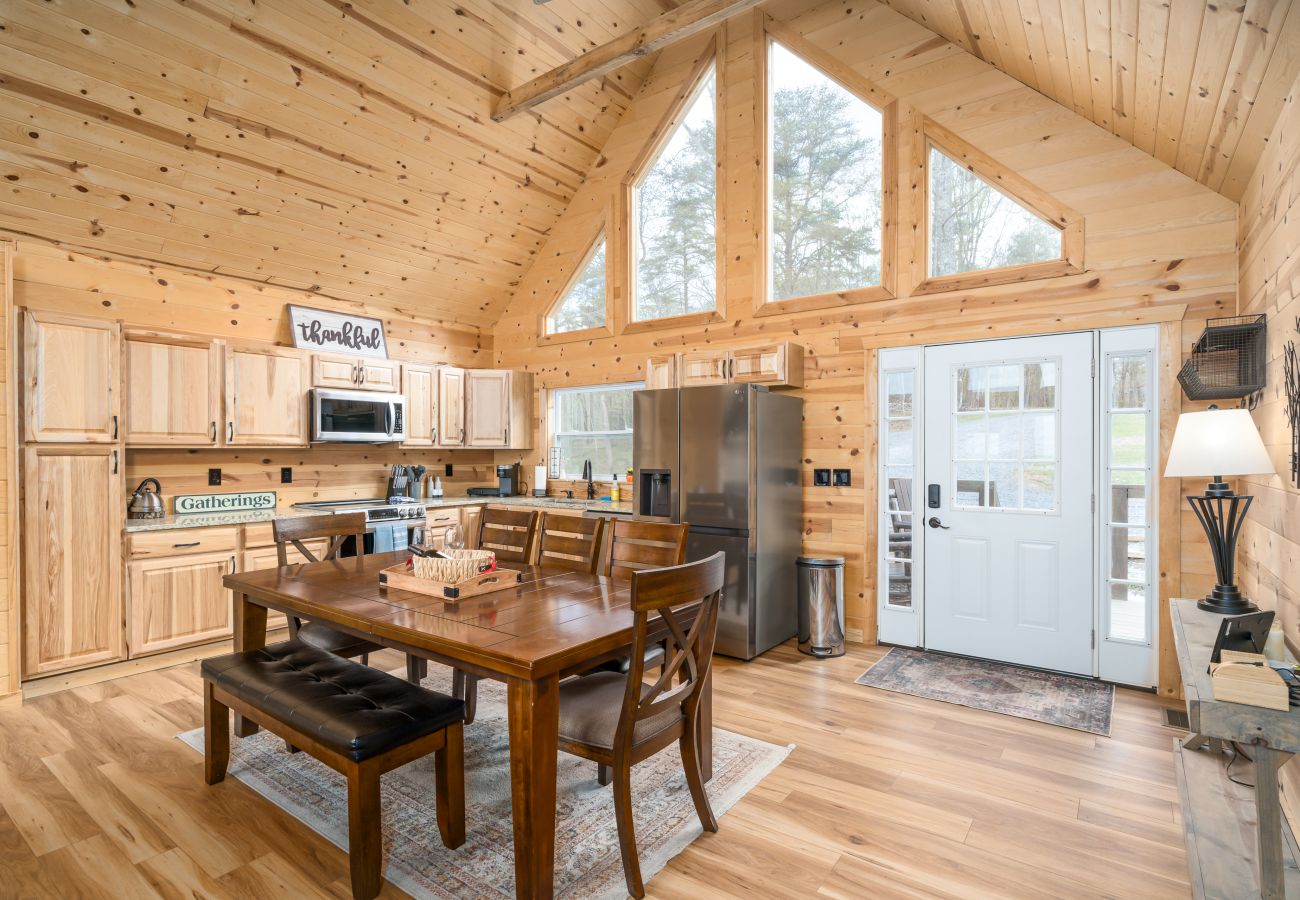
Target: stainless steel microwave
x,y
364,417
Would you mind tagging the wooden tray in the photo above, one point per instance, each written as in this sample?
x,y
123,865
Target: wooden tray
x,y
498,579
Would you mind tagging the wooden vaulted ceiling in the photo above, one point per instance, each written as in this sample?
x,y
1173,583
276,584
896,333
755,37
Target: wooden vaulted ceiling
x,y
1198,84
343,147
346,146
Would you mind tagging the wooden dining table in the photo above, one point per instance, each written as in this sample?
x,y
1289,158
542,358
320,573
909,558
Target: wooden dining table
x,y
552,624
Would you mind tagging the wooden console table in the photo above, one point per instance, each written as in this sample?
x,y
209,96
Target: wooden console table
x,y
1217,822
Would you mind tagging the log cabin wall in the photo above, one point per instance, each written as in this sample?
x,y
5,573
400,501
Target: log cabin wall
x,y
155,297
1158,248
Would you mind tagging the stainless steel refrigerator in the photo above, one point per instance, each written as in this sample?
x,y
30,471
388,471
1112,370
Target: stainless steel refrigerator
x,y
725,459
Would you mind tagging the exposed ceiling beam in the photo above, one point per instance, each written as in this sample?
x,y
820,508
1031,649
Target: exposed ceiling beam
x,y
690,18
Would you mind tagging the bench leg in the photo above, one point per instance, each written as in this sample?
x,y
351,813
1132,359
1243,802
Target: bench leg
x,y
365,837
465,687
216,736
449,769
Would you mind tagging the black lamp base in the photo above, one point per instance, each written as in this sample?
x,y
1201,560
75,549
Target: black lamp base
x,y
1226,599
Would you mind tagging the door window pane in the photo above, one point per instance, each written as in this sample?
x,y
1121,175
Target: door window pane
x,y
1004,436
1128,439
900,393
1040,385
1128,616
1040,486
1128,386
897,490
899,451
1129,473
1004,485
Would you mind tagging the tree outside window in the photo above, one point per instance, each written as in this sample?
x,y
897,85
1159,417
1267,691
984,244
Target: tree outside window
x,y
583,306
824,151
675,211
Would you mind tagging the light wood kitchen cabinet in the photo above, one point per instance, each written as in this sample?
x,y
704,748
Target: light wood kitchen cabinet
x,y
176,601
772,364
450,402
661,371
471,517
72,558
266,397
175,541
775,365
705,367
71,373
173,391
420,385
498,408
355,373
255,559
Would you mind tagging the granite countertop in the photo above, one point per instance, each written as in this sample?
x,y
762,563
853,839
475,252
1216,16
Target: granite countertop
x,y
251,517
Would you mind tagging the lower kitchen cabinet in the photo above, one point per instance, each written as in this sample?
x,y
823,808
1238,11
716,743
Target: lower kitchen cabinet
x,y
177,601
72,555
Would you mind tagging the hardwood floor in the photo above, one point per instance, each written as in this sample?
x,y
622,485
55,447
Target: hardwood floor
x,y
886,796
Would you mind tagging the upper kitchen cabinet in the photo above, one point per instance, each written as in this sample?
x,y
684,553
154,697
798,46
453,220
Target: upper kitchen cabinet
x,y
775,365
499,408
72,558
420,384
71,374
450,402
266,397
357,374
661,371
173,391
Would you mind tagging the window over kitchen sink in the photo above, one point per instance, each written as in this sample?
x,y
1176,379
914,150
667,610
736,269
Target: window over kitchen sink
x,y
593,423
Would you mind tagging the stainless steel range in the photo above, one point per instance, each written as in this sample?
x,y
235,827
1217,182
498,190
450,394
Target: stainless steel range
x,y
376,510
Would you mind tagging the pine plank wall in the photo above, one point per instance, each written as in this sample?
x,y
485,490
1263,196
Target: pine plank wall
x,y
1158,247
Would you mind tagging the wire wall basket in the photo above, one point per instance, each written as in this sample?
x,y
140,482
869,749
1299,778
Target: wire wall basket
x,y
1228,361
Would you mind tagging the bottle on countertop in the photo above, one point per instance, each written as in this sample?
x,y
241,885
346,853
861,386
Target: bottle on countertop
x,y
613,491
437,487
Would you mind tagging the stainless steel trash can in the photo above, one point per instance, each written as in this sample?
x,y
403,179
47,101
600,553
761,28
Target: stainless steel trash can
x,y
821,605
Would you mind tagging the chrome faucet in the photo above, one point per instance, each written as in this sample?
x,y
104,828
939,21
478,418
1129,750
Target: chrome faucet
x,y
591,485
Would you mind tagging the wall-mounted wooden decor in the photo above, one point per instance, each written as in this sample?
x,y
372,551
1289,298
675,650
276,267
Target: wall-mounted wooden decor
x,y
321,329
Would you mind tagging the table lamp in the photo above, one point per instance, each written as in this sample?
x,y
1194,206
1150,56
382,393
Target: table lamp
x,y
1217,443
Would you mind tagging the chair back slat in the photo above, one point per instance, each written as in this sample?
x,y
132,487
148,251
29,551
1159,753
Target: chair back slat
x,y
338,528
509,533
666,594
634,546
570,541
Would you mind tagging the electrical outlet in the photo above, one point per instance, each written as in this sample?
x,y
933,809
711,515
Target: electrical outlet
x,y
843,478
447,474
214,477
821,477
286,475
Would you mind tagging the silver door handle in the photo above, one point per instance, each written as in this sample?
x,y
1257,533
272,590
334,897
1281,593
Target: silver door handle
x,y
935,523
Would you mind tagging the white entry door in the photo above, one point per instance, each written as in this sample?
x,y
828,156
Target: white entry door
x,y
1006,507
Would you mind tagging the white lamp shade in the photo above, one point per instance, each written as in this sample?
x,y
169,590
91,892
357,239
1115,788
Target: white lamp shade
x,y
1217,442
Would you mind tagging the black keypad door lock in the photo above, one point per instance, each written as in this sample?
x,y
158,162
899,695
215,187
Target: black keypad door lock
x,y
932,496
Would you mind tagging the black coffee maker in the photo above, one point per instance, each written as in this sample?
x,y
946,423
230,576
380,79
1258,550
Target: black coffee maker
x,y
510,480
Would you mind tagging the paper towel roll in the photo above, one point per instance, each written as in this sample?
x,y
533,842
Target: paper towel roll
x,y
539,481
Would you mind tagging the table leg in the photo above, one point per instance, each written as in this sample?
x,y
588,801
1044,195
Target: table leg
x,y
250,634
706,727
534,711
1268,813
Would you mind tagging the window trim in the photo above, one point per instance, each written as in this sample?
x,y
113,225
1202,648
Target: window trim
x,y
552,434
930,134
544,334
884,103
710,59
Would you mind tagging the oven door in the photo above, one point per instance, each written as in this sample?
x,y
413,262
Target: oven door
x,y
357,416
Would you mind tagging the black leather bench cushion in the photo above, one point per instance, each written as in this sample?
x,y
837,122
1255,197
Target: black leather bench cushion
x,y
350,708
340,643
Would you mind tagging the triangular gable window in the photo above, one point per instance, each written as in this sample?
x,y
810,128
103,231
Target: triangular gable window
x,y
583,305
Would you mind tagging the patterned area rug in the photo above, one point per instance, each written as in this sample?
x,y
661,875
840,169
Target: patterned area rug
x,y
1078,703
587,861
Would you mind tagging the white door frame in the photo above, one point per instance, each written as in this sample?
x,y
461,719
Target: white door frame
x,y
1123,657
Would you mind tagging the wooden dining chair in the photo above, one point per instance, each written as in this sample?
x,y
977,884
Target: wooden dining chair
x,y
619,720
336,529
634,545
510,534
567,541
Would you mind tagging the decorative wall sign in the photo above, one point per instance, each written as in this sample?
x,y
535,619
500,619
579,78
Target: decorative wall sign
x,y
216,503
321,329
1291,388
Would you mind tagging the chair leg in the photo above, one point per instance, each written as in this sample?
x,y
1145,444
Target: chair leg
x,y
291,748
694,778
414,667
602,775
465,687
365,838
626,832
216,736
449,772
365,659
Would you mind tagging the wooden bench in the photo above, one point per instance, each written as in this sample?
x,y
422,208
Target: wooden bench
x,y
357,720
